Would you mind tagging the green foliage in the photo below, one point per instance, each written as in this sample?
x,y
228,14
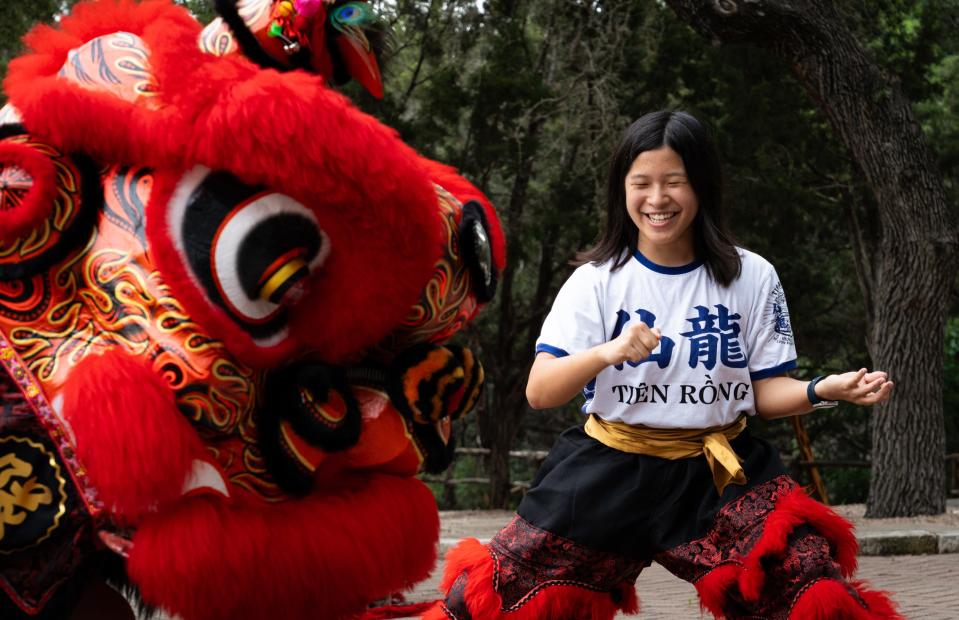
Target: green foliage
x,y
16,18
462,495
939,116
846,485
201,9
918,41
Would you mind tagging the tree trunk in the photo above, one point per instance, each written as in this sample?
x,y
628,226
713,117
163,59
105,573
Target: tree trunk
x,y
915,261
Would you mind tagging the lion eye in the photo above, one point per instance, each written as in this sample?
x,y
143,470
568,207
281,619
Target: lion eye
x,y
477,251
251,250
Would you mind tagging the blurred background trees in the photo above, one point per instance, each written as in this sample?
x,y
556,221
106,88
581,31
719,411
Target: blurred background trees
x,y
528,98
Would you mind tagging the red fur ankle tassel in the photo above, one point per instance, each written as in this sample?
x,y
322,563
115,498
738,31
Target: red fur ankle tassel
x,y
831,600
714,586
792,510
878,602
550,602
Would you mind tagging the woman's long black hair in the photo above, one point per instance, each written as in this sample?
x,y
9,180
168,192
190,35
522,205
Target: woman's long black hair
x,y
682,132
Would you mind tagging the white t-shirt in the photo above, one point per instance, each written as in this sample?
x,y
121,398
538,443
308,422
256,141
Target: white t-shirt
x,y
715,340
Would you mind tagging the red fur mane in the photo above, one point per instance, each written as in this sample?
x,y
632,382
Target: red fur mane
x,y
369,191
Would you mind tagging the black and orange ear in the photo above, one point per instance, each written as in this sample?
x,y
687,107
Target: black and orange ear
x,y
48,202
428,383
432,386
474,379
423,379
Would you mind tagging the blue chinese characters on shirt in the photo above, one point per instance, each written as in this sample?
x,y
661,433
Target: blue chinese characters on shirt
x,y
712,337
715,335
715,340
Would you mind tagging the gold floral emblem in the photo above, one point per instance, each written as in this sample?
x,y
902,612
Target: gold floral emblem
x,y
32,494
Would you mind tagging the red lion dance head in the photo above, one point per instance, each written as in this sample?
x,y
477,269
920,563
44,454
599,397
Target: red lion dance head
x,y
226,297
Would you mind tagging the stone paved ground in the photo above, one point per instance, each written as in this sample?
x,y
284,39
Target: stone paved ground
x,y
926,588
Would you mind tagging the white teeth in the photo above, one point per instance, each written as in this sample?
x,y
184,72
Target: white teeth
x,y
660,217
206,477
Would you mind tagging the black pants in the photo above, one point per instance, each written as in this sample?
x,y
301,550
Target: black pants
x,y
596,516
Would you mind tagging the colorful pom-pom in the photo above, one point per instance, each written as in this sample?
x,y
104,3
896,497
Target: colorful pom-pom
x,y
284,9
308,8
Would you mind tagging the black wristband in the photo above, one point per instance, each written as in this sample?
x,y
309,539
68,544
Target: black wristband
x,y
811,390
816,402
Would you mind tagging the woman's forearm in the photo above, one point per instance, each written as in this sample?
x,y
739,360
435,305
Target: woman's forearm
x,y
554,381
780,397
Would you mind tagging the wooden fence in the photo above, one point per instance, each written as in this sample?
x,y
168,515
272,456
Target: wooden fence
x,y
518,486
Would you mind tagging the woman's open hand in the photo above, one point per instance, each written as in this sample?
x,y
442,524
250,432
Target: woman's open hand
x,y
860,387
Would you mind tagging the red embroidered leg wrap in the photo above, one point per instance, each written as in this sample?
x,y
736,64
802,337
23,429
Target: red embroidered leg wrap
x,y
775,553
526,573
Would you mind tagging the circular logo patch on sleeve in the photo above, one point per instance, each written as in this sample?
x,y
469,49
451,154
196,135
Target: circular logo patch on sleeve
x,y
782,328
32,494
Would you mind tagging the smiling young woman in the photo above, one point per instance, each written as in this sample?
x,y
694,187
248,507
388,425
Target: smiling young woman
x,y
675,337
662,204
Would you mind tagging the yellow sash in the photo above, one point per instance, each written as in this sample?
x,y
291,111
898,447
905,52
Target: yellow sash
x,y
677,443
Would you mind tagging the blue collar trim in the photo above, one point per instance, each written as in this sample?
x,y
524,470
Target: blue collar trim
x,y
670,271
